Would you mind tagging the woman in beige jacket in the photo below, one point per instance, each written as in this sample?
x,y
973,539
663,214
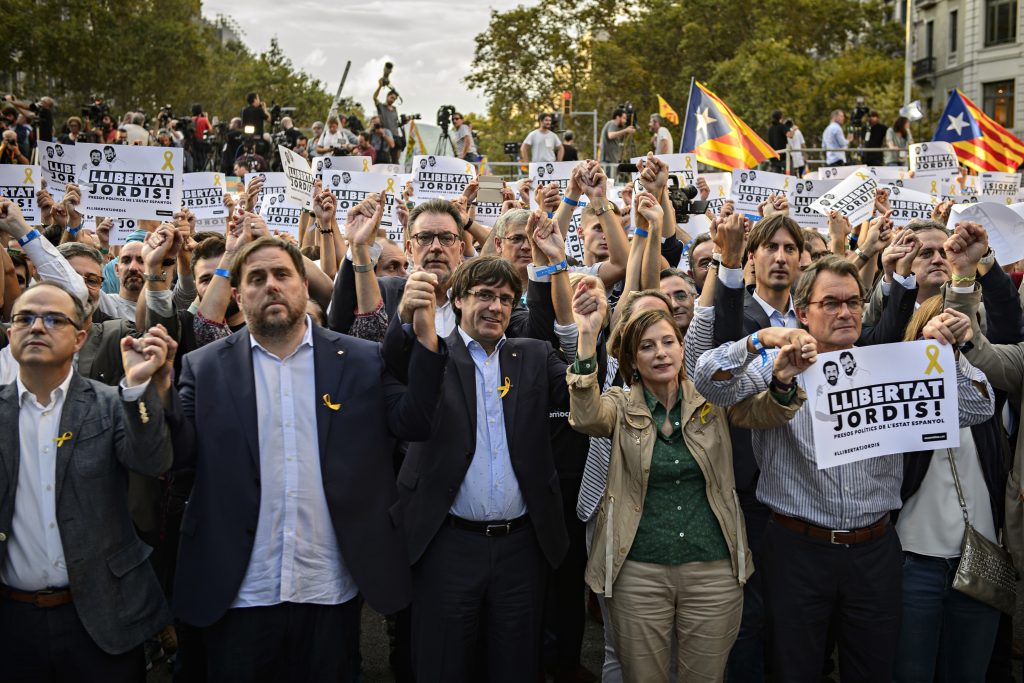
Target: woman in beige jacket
x,y
669,551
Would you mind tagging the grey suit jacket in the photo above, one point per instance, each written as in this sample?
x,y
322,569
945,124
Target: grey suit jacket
x,y
115,591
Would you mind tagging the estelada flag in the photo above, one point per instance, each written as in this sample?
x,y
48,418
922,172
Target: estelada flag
x,y
980,143
667,112
719,137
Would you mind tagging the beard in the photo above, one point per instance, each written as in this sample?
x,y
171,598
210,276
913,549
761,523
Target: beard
x,y
232,309
262,324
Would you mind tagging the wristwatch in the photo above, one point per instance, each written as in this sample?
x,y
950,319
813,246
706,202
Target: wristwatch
x,y
988,259
362,268
154,277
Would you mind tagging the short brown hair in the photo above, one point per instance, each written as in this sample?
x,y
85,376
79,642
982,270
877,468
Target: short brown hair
x,y
615,337
79,317
211,247
826,264
265,243
766,228
483,270
633,331
435,206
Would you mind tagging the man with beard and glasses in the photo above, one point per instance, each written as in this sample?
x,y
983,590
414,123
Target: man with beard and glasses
x,y
294,518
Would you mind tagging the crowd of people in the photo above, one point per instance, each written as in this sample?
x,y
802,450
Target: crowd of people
x,y
227,445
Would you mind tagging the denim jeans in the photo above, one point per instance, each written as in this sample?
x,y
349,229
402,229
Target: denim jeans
x,y
945,635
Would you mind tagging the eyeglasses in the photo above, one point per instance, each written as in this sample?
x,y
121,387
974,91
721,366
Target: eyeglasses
x,y
704,263
680,295
425,239
485,297
516,240
833,306
93,280
51,321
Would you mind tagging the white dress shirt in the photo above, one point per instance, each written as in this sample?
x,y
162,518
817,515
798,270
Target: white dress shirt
x,y
295,555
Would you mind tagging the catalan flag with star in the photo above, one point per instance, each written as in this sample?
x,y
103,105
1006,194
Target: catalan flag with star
x,y
719,137
981,144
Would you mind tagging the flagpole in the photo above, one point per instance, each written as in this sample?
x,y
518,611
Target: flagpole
x,y
686,116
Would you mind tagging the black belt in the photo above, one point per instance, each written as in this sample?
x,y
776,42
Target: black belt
x,y
498,528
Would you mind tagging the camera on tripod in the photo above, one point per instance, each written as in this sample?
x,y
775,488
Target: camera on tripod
x,y
404,119
444,116
683,202
630,111
95,111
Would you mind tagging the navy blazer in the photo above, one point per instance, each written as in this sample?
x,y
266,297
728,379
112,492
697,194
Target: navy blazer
x,y
217,435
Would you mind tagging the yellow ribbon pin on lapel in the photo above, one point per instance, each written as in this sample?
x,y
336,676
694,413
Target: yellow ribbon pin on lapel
x,y
327,402
62,438
704,412
503,389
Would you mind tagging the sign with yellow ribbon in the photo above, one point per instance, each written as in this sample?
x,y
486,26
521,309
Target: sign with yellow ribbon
x,y
20,184
440,177
884,400
684,165
203,195
126,181
351,187
853,198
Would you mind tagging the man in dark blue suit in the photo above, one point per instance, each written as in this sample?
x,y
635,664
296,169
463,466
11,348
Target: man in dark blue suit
x,y
294,516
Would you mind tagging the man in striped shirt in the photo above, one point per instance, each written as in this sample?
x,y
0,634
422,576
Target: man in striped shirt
x,y
829,552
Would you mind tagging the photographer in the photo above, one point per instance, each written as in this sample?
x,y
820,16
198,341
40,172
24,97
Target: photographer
x,y
336,141
465,146
381,140
388,114
10,153
43,109
255,114
108,131
363,147
291,133
74,132
232,143
612,134
252,159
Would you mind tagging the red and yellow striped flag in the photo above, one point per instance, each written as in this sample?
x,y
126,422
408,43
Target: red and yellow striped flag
x,y
719,137
980,143
666,112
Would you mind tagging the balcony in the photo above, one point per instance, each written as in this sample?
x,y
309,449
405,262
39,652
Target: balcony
x,y
924,68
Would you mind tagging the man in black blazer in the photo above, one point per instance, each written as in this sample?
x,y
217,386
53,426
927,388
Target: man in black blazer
x,y
482,497
77,596
294,514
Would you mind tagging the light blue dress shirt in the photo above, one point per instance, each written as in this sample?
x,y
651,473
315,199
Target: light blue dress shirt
x,y
833,139
490,490
295,555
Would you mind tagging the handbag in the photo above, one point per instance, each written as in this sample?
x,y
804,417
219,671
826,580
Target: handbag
x,y
986,571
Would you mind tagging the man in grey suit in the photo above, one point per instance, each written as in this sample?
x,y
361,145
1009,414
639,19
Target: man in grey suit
x,y
77,597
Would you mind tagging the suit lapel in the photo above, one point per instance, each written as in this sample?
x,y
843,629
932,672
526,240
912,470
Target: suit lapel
x,y
77,405
510,358
466,371
328,368
10,443
239,384
754,311
87,354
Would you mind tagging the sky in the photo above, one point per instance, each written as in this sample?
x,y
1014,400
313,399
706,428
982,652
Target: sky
x,y
429,42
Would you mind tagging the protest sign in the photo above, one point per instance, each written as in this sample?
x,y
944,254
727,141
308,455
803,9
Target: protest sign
x,y
910,204
854,197
20,184
58,164
835,172
887,173
542,173
683,164
386,169
1000,186
346,163
126,181
300,176
437,176
933,159
122,228
273,204
871,401
1004,224
203,195
942,187
350,188
750,188
218,225
805,193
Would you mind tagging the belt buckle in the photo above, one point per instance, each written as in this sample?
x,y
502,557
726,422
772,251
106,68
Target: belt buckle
x,y
493,529
832,536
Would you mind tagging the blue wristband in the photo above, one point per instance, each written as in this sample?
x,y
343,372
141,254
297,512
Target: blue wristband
x,y
640,232
28,237
570,202
552,269
73,231
223,272
551,214
759,347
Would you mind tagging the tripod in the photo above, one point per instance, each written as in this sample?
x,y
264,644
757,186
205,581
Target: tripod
x,y
444,144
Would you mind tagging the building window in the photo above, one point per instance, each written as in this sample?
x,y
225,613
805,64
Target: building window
x,y
952,32
1000,22
998,102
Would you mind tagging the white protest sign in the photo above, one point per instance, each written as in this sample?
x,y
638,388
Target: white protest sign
x,y
125,181
346,163
437,176
543,173
300,176
273,204
218,225
910,204
20,184
720,185
386,169
941,187
1004,225
884,173
854,197
203,195
351,187
750,188
933,159
835,172
58,163
1002,186
123,227
871,401
487,213
683,164
806,193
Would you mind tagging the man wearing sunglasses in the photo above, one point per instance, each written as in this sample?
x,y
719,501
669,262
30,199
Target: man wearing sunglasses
x,y
77,594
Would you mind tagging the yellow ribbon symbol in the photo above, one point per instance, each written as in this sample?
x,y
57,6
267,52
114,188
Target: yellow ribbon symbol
x,y
469,169
216,180
366,164
704,412
721,190
168,155
391,185
932,352
786,184
327,402
503,389
935,186
861,176
62,438
28,176
689,161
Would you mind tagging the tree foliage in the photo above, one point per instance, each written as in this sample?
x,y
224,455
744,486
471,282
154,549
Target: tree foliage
x,y
141,55
805,57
